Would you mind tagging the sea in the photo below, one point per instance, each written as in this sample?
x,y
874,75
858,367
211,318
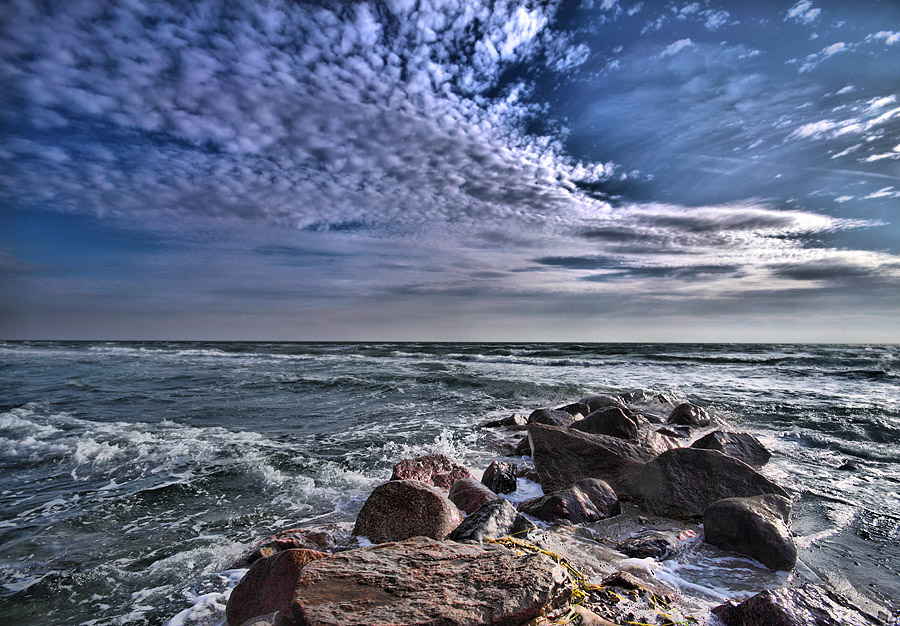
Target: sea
x,y
133,473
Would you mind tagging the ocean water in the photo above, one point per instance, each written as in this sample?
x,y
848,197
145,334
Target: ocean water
x,y
131,474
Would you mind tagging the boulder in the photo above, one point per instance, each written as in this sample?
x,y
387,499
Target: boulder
x,y
268,585
756,527
551,417
576,409
656,544
610,421
422,582
435,469
687,414
500,477
290,539
588,500
523,448
656,442
676,432
469,494
400,509
599,401
741,446
565,455
681,483
495,519
806,605
510,422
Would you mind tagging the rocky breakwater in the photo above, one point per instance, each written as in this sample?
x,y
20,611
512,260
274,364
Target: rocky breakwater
x,y
439,547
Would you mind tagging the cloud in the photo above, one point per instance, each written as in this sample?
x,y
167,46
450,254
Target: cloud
x,y
675,48
803,12
889,37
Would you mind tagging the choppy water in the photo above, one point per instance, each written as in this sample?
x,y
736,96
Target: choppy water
x,y
132,473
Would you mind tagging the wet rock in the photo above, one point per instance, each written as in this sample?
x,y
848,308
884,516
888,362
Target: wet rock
x,y
495,519
500,477
400,509
655,544
510,422
469,494
576,409
681,483
601,400
565,455
421,582
523,448
688,414
657,442
268,585
675,432
756,527
806,605
589,500
435,469
743,446
610,421
551,417
293,538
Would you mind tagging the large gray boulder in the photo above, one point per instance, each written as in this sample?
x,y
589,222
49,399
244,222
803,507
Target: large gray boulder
x,y
588,500
468,494
268,585
681,483
687,414
500,477
495,519
563,456
400,509
422,582
757,527
551,417
743,446
806,605
435,469
610,421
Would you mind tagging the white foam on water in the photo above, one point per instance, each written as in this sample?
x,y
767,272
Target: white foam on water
x,y
525,489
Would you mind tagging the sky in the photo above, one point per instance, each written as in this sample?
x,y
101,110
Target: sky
x,y
596,170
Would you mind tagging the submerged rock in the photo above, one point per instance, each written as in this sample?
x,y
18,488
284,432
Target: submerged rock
x,y
435,469
551,417
681,483
495,519
743,446
500,477
610,421
588,500
400,509
688,414
290,539
807,605
469,494
756,527
563,456
421,582
656,544
268,586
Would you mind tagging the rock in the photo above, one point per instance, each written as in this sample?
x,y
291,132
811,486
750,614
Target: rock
x,y
806,605
610,421
469,494
495,519
435,469
523,448
576,409
285,540
652,418
565,455
599,401
589,618
756,527
657,442
681,483
511,421
551,417
655,544
688,414
422,582
741,446
588,500
601,495
500,477
268,585
848,467
676,432
400,509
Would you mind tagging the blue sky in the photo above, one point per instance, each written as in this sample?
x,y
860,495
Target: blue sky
x,y
581,171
